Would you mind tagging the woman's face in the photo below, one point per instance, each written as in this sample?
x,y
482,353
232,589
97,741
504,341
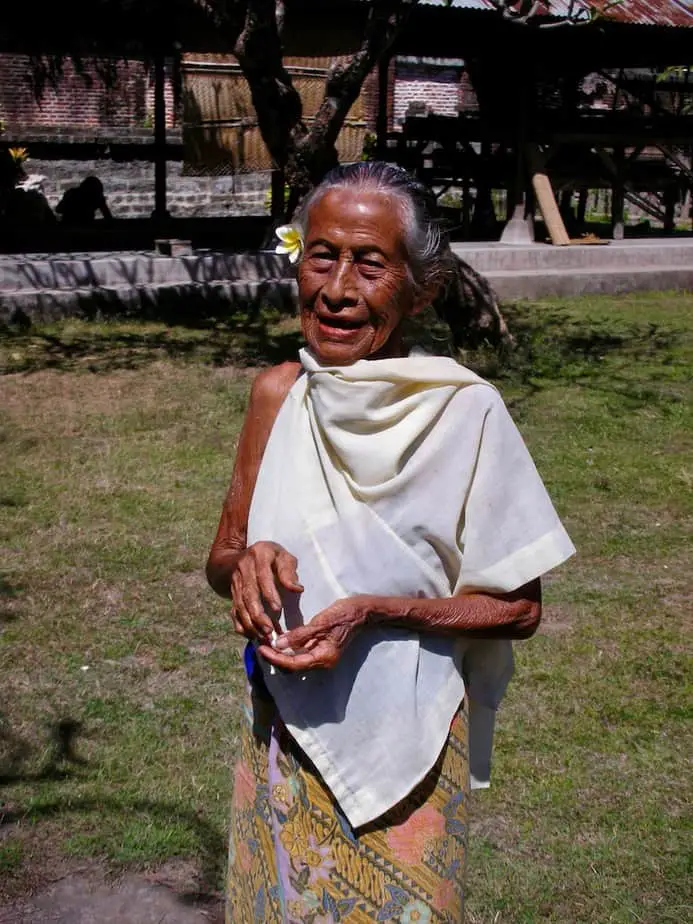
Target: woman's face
x,y
353,281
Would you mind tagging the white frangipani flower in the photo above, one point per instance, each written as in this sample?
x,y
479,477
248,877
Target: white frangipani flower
x,y
291,242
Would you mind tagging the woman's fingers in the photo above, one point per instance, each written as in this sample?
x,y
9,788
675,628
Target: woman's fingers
x,y
299,638
285,566
254,587
246,596
237,623
323,655
261,622
266,581
241,621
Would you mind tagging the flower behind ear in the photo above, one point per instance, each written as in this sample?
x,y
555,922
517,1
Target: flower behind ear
x,y
291,242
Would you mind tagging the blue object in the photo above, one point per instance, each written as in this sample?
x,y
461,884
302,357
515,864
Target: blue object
x,y
254,671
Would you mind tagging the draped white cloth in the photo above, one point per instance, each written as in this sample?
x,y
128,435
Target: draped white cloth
x,y
397,477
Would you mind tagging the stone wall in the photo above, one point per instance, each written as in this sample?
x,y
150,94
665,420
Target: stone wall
x,y
435,87
129,188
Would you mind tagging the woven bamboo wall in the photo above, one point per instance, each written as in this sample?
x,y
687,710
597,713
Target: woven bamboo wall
x,y
219,122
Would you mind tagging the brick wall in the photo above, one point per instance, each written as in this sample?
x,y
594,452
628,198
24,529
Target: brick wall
x,y
468,98
369,94
435,87
81,101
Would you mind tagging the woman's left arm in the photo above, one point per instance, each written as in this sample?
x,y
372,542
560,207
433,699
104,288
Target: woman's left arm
x,y
475,615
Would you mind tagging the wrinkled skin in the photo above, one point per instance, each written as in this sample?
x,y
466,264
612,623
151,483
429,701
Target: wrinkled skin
x,y
355,290
354,283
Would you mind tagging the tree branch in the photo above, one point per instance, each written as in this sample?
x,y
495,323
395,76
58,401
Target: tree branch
x,y
277,103
344,82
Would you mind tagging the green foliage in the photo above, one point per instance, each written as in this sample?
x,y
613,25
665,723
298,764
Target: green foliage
x,y
370,146
451,199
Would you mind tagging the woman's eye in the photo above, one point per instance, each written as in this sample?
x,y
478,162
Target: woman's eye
x,y
322,255
370,264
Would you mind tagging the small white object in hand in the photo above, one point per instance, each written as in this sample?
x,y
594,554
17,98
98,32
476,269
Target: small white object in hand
x,y
273,643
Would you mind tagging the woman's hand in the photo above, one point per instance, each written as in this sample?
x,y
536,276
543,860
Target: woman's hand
x,y
322,642
258,572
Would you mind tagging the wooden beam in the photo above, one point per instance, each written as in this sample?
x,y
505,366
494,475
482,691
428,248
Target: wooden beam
x,y
674,158
545,197
627,191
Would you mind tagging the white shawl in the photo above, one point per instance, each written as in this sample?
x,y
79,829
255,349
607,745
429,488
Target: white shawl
x,y
397,477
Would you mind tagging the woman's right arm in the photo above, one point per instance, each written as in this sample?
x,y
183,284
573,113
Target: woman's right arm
x,y
234,570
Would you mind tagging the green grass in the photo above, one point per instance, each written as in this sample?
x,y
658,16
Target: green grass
x,y
121,681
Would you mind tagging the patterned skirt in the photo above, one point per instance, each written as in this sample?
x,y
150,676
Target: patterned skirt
x,y
294,858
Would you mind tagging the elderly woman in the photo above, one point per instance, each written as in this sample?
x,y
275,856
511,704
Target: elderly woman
x,y
382,541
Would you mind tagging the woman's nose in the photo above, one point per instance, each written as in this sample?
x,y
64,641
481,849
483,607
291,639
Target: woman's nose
x,y
337,292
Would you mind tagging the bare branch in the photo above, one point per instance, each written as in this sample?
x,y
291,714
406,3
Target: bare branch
x,y
259,51
344,81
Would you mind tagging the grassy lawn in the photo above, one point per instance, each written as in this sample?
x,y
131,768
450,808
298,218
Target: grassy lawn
x,y
120,681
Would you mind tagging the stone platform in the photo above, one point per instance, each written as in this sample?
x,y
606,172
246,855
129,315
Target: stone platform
x,y
538,270
45,287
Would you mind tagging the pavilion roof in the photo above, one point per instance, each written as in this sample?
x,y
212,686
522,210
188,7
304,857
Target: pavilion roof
x,y
637,12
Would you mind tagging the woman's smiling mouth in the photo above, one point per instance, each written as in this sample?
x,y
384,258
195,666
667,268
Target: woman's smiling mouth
x,y
338,323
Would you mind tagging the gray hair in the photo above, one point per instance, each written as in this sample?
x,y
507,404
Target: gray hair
x,y
428,250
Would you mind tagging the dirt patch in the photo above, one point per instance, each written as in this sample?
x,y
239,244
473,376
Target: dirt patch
x,y
556,620
88,894
497,830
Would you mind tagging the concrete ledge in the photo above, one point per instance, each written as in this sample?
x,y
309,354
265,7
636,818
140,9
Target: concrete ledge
x,y
69,271
489,258
542,283
214,283
170,303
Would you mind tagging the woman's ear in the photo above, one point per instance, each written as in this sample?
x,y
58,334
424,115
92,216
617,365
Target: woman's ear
x,y
423,299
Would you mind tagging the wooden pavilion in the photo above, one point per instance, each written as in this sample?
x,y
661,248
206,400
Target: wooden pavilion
x,y
538,131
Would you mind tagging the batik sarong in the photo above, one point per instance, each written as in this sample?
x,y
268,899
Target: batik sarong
x,y
294,858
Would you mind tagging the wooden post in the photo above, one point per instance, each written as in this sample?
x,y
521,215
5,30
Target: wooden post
x,y
160,211
381,121
518,230
670,196
618,198
582,207
483,215
466,203
545,197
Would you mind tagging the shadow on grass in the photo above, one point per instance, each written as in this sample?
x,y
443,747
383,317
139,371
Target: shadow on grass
x,y
63,763
554,347
106,347
59,763
9,592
